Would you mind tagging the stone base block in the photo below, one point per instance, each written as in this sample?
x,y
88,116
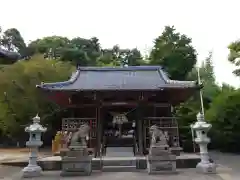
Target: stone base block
x,y
75,153
176,150
159,150
168,157
161,167
69,174
161,164
206,168
32,171
141,164
76,167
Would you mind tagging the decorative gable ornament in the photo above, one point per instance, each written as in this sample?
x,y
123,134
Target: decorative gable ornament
x,y
119,118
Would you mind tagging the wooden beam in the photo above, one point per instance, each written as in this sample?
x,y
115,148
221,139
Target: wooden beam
x,y
81,105
160,118
78,118
120,103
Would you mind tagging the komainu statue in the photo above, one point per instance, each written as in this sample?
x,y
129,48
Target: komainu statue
x,y
79,137
158,136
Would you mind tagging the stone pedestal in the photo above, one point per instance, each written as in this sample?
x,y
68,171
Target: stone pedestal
x,y
160,160
31,171
206,167
76,162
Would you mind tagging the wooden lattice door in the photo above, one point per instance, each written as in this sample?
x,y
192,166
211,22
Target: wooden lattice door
x,y
71,125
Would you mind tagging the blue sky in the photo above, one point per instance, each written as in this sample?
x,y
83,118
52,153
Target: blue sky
x,y
211,24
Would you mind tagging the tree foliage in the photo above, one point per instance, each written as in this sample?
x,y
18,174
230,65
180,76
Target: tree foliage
x,y
19,98
174,52
44,44
234,55
224,115
12,40
85,52
187,111
207,77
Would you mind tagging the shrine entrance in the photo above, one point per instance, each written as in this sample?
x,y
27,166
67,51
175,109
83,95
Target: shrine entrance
x,y
119,131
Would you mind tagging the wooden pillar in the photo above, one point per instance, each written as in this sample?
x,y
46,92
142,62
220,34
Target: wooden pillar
x,y
140,129
144,135
99,131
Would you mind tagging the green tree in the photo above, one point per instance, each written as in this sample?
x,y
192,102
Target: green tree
x,y
206,71
13,41
117,57
134,58
0,36
51,42
174,52
234,54
187,111
87,51
226,87
75,56
78,50
19,98
224,115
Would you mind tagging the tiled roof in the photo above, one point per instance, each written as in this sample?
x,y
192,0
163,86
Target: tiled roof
x,y
118,78
9,54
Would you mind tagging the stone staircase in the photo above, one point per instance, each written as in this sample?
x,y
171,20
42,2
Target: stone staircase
x,y
127,141
119,159
119,152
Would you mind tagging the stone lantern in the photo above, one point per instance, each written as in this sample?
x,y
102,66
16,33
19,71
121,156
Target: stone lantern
x,y
35,130
202,127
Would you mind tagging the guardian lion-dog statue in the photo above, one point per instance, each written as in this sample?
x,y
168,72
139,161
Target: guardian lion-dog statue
x,y
158,135
79,137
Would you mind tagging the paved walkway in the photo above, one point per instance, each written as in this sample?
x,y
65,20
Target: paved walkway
x,y
229,169
182,175
229,162
7,172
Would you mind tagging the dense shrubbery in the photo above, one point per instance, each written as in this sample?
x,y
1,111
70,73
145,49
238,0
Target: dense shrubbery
x,y
224,115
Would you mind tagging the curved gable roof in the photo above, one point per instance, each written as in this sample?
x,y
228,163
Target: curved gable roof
x,y
118,78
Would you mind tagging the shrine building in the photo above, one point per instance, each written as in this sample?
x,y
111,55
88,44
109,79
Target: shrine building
x,y
120,104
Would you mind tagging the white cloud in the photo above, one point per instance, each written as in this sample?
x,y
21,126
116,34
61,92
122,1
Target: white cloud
x,y
131,23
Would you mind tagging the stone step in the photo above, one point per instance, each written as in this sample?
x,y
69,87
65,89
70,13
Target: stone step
x,y
116,142
119,152
186,160
122,145
119,168
119,162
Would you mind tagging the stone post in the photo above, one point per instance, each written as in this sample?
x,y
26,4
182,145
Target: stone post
x,y
35,130
202,127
